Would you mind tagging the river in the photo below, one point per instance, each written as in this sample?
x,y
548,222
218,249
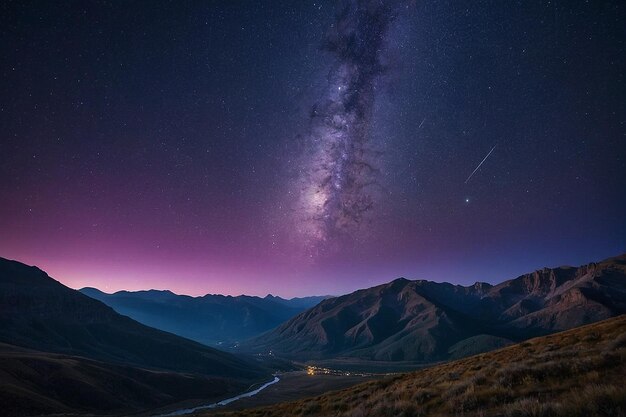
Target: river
x,y
221,403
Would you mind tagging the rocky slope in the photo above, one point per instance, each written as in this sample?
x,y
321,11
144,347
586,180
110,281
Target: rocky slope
x,y
426,321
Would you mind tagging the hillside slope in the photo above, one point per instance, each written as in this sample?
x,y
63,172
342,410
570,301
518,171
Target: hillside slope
x,y
210,319
578,372
40,383
426,321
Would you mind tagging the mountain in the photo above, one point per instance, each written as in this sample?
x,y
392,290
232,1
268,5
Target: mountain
x,y
83,348
210,319
578,372
429,321
301,303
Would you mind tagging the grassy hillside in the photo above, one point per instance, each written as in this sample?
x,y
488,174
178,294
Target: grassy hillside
x,y
579,372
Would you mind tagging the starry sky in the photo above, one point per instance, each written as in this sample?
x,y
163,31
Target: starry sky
x,y
310,147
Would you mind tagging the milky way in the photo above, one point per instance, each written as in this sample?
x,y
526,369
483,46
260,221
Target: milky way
x,y
339,184
310,147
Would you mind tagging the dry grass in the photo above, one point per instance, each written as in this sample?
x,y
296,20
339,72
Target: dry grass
x,y
575,373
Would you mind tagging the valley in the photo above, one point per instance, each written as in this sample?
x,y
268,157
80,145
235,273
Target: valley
x,y
291,386
212,319
573,373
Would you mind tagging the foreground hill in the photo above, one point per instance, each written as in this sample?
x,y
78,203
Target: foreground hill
x,y
210,319
90,348
34,383
579,372
429,321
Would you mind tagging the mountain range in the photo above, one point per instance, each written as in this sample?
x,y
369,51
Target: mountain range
x,y
62,351
210,319
430,321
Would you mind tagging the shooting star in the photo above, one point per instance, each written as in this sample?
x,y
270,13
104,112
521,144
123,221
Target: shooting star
x,y
420,126
481,162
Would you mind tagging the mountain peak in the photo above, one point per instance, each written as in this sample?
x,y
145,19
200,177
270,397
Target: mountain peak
x,y
274,297
398,282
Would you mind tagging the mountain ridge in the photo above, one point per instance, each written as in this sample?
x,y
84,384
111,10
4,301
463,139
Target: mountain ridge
x,y
40,313
422,320
211,319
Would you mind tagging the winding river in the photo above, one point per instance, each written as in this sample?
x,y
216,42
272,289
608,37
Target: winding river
x,y
223,402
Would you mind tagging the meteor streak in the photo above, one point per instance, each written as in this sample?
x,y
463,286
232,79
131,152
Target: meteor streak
x,y
481,162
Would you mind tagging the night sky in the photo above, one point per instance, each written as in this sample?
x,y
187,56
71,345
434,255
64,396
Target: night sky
x,y
307,147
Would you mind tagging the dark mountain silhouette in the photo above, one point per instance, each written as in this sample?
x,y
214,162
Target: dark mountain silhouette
x,y
426,321
210,319
70,346
38,383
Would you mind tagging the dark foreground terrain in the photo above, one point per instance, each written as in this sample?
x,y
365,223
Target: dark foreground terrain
x,y
579,372
38,383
